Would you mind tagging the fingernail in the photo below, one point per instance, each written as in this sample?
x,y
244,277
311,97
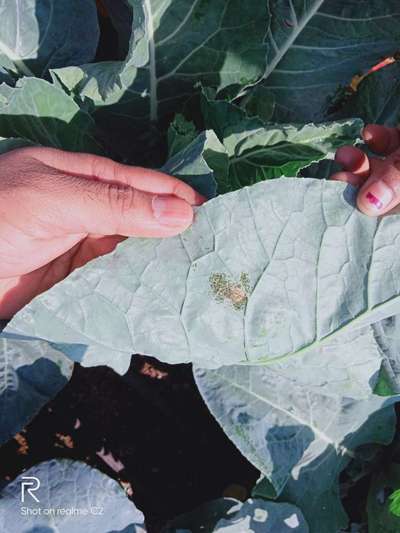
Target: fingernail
x,y
171,211
379,196
199,199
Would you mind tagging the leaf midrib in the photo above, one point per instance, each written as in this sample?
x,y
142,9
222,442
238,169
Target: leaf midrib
x,y
152,63
303,422
17,60
302,23
154,79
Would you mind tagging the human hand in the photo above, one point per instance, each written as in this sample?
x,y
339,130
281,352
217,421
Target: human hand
x,y
378,178
59,210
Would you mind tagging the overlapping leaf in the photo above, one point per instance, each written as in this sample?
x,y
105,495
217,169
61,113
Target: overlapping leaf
x,y
39,112
267,152
31,374
197,163
315,46
227,515
36,35
174,45
181,133
377,99
79,498
259,150
301,425
318,495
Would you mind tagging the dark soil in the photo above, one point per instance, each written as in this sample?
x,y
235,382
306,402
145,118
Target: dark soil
x,y
174,455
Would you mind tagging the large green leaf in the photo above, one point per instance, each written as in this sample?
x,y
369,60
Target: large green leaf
x,y
377,99
181,133
314,46
36,35
195,164
259,150
31,374
266,273
310,398
222,115
272,151
175,44
67,496
41,113
319,496
301,425
227,515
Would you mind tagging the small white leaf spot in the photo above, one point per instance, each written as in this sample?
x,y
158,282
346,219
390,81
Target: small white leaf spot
x,y
292,521
260,515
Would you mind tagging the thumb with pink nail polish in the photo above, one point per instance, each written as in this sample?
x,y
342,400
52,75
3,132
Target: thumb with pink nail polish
x,y
381,191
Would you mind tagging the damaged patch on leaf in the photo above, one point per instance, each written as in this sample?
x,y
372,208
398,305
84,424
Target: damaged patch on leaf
x,y
224,288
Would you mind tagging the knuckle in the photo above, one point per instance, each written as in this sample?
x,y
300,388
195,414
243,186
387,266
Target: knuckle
x,y
122,199
394,160
103,167
180,189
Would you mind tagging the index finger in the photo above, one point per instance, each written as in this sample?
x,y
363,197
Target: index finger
x,y
101,168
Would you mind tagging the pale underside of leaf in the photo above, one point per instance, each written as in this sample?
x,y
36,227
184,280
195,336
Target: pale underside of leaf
x,y
232,516
31,373
74,485
243,291
300,436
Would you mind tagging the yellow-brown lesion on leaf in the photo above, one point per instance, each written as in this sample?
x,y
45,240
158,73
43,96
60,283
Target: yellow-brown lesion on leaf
x,y
225,289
